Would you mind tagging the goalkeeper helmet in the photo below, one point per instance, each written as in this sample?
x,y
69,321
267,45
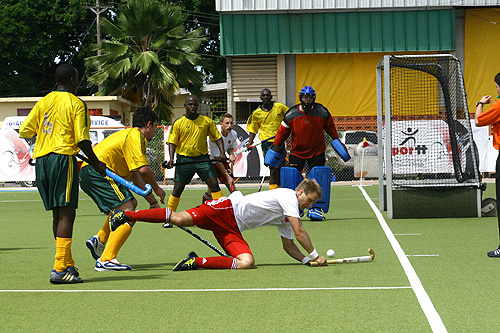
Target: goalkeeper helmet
x,y
307,90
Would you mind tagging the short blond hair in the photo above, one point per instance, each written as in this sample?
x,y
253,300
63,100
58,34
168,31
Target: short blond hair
x,y
310,186
224,116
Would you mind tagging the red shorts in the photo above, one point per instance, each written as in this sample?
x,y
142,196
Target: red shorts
x,y
218,216
222,178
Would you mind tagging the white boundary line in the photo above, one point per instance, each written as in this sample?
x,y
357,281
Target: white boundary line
x,y
196,290
430,312
416,234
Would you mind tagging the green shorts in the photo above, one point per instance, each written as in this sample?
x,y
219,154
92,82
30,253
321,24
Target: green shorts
x,y
57,180
184,173
106,193
265,147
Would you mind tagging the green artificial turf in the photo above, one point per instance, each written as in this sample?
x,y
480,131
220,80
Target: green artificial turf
x,y
448,255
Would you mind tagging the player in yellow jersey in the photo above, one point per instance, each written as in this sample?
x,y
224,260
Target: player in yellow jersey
x,y
266,119
61,122
188,138
124,152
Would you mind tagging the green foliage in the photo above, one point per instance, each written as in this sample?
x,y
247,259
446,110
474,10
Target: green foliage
x,y
147,48
202,13
36,35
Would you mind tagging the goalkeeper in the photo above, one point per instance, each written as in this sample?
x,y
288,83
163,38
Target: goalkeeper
x,y
306,122
492,117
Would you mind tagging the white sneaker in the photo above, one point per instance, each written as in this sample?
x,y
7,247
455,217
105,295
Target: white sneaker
x,y
95,246
111,265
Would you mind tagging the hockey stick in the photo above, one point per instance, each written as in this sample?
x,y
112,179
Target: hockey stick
x,y
245,148
348,260
203,240
124,182
164,163
261,182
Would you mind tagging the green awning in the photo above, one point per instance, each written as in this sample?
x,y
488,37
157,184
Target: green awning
x,y
340,32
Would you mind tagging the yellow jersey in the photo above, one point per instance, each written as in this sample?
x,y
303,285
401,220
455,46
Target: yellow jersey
x,y
190,136
60,120
267,122
123,152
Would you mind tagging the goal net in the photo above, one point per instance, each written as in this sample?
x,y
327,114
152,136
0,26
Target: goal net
x,y
425,123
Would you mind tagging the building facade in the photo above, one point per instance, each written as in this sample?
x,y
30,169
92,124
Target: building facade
x,y
335,45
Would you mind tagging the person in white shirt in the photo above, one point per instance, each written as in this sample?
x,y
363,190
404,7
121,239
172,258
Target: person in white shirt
x,y
228,217
223,169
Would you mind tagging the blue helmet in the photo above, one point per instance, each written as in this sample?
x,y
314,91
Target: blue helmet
x,y
307,90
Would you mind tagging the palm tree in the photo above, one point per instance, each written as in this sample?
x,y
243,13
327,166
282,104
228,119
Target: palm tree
x,y
147,52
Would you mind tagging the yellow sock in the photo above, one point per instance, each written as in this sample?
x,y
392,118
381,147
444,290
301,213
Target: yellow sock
x,y
173,202
63,250
217,195
69,260
115,242
104,232
273,186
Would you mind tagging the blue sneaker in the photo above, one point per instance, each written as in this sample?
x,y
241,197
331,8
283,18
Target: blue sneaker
x,y
117,219
494,253
65,277
111,265
95,246
315,214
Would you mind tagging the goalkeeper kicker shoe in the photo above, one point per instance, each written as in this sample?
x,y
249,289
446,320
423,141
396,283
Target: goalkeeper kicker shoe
x,y
95,246
111,265
494,253
315,214
117,219
65,277
187,264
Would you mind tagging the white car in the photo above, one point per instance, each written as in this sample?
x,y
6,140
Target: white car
x,y
351,139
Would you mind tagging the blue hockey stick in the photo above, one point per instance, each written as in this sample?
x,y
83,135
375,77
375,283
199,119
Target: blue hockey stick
x,y
124,182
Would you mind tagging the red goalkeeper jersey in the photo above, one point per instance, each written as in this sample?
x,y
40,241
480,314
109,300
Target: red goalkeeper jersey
x,y
307,130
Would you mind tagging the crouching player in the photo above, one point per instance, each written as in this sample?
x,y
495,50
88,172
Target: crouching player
x,y
228,217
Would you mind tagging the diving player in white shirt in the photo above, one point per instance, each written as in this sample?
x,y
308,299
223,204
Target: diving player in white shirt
x,y
228,217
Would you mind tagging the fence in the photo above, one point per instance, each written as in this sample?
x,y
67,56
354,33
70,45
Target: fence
x,y
352,131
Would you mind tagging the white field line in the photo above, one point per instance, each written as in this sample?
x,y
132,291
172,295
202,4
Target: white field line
x,y
423,298
416,234
422,255
196,290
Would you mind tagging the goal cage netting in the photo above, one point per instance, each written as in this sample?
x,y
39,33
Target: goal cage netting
x,y
424,123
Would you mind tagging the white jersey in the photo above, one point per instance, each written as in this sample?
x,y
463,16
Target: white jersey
x,y
229,142
266,208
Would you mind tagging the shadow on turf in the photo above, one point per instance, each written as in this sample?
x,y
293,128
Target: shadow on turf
x,y
20,248
155,266
123,276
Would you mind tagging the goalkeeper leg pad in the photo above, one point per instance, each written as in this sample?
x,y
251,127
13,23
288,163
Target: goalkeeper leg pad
x,y
290,177
323,175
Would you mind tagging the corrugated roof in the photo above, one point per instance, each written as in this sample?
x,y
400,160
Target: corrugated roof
x,y
341,32
352,5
